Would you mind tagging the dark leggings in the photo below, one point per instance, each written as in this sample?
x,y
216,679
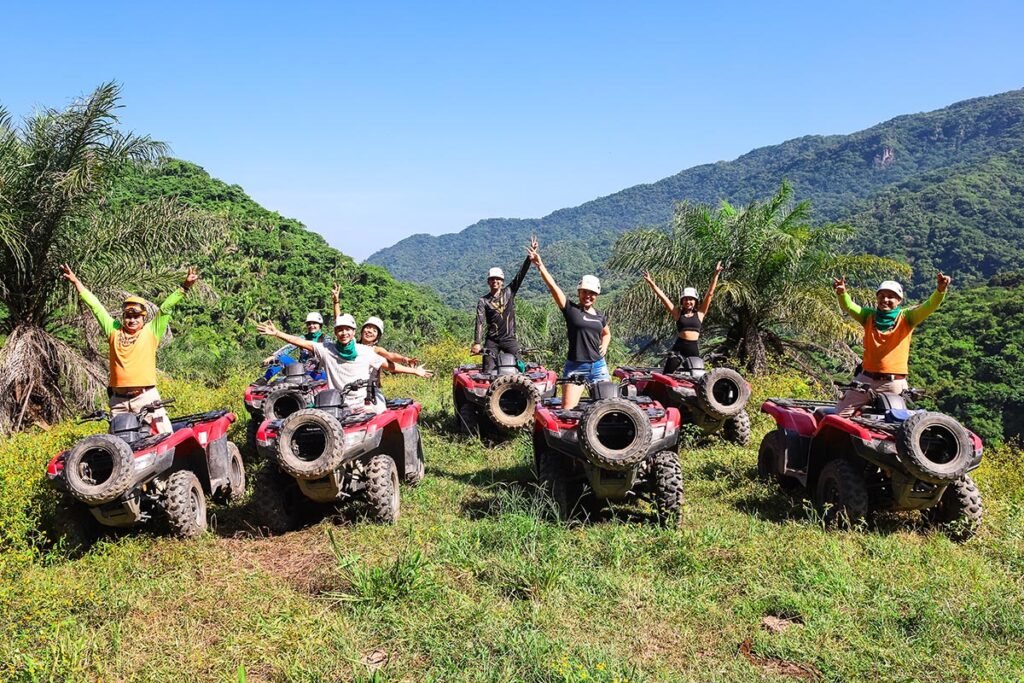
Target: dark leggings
x,y
683,347
503,345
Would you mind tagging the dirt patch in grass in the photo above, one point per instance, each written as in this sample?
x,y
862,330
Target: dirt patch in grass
x,y
301,559
778,667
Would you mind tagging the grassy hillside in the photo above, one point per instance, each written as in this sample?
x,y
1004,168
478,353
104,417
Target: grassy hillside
x,y
837,173
478,583
274,269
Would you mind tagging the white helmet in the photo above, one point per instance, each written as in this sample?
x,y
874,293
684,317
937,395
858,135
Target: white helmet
x,y
345,321
590,283
376,322
892,286
495,272
689,293
314,317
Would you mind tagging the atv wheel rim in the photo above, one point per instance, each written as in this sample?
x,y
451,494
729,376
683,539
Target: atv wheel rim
x,y
286,405
513,403
938,444
197,505
393,502
95,467
725,392
616,431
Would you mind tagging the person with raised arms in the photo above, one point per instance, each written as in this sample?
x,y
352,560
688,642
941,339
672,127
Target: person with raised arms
x,y
314,333
586,327
496,315
371,332
689,318
345,361
132,342
888,328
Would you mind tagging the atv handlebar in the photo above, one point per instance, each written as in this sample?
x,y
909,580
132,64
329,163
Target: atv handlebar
x,y
141,412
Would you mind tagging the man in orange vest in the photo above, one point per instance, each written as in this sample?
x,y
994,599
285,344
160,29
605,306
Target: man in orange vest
x,y
887,331
133,342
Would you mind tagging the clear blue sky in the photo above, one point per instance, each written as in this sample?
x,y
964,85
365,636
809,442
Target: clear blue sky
x,y
372,121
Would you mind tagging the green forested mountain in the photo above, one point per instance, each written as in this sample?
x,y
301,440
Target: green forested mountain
x,y
273,268
840,174
970,356
967,220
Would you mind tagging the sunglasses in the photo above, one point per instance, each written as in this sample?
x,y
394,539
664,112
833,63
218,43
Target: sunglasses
x,y
132,314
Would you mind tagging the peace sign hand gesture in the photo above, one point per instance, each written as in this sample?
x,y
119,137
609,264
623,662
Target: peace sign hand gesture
x,y
839,284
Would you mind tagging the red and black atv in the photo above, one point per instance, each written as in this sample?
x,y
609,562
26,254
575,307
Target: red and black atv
x,y
499,402
889,457
714,400
620,444
292,390
327,454
133,474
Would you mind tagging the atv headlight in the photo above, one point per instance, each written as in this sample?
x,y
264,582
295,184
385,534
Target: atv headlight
x,y
480,391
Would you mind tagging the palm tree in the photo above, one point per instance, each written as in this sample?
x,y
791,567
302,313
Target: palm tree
x,y
55,172
775,297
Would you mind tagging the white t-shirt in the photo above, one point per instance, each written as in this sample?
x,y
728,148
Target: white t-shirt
x,y
341,372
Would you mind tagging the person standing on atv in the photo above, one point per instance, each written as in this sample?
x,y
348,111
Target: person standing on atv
x,y
345,361
132,343
689,318
586,327
496,316
887,332
282,357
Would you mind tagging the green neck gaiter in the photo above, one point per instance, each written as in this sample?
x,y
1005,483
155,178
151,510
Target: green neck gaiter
x,y
886,320
348,351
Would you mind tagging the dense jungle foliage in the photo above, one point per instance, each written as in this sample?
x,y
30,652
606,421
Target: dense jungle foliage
x,y
272,268
954,148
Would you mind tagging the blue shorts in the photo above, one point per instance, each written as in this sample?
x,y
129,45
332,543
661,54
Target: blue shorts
x,y
595,371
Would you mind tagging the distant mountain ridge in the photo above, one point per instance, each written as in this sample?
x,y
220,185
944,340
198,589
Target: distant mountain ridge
x,y
838,173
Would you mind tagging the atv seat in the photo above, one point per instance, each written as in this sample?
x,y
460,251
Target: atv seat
x,y
821,411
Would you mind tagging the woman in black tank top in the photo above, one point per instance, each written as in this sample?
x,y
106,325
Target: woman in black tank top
x,y
689,318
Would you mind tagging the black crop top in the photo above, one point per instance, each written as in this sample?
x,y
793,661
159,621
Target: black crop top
x,y
690,323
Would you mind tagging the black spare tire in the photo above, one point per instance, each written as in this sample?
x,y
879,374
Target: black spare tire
x,y
311,444
99,469
934,447
510,401
614,434
283,401
722,393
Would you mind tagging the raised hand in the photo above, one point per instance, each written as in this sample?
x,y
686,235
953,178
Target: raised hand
x,y
68,274
942,281
267,328
534,244
839,284
647,278
190,278
336,293
719,268
533,255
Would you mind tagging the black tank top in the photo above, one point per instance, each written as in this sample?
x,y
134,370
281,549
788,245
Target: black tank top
x,y
690,323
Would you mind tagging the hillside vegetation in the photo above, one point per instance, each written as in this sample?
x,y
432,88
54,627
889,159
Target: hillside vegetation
x,y
273,268
477,582
950,147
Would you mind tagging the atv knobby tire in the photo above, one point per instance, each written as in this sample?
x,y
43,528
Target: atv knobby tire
x,y
100,455
722,393
934,447
841,493
666,483
510,401
252,427
468,422
959,510
770,461
74,526
554,475
283,401
382,494
275,499
235,489
185,504
737,429
311,444
414,477
614,434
